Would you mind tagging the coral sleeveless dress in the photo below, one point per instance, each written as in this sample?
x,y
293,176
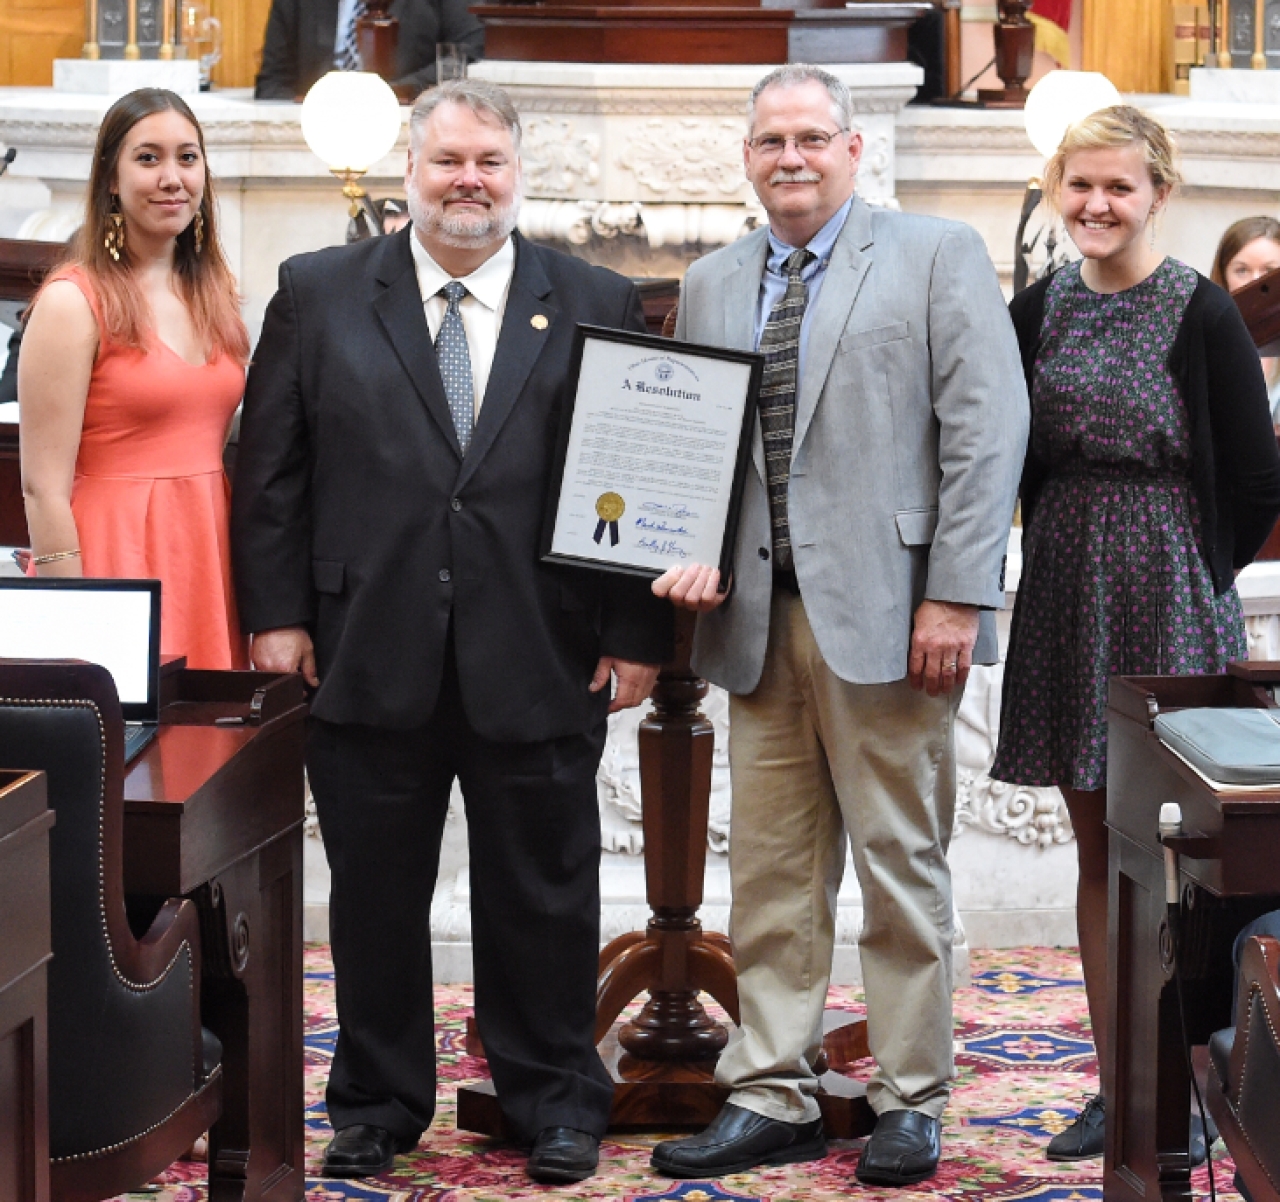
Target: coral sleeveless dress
x,y
150,497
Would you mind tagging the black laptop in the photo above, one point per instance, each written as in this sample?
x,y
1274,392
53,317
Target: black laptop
x,y
115,623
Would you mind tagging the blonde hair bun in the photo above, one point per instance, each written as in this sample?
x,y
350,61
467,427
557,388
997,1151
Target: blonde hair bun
x,y
1119,125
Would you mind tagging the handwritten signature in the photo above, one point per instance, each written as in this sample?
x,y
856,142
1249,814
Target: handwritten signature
x,y
659,526
677,510
666,547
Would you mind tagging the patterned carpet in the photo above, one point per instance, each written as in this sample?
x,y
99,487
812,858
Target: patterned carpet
x,y
1024,1059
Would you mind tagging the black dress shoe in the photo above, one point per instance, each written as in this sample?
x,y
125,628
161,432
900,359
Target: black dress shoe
x,y
903,1149
736,1141
1086,1138
362,1151
561,1154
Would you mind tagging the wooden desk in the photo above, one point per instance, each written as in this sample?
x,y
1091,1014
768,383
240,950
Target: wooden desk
x,y
1229,873
214,813
25,949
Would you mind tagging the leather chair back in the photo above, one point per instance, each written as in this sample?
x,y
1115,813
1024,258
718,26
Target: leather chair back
x,y
124,1034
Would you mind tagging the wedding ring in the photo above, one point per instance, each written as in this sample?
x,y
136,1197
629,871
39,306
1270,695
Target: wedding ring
x,y
951,666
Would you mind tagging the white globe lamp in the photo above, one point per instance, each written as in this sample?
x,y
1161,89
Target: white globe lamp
x,y
1059,100
351,119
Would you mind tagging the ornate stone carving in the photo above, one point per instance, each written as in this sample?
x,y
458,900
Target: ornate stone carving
x,y
1034,817
574,221
957,139
914,137
875,172
697,225
1263,633
674,102
311,821
557,160
686,156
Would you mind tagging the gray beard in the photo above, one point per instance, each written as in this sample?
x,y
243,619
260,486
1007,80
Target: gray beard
x,y
462,232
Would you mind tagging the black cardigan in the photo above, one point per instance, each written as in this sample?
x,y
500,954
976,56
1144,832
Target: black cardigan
x,y
1235,464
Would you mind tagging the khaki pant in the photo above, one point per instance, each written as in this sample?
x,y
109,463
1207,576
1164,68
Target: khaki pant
x,y
813,757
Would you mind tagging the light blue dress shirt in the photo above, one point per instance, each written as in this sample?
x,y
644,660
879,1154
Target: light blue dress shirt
x,y
773,285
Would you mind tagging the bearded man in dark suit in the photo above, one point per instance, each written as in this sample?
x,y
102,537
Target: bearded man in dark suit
x,y
396,449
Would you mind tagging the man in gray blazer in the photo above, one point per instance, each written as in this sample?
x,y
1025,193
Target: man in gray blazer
x,y
869,554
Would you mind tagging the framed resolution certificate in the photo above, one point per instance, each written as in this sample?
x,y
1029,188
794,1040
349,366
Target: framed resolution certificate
x,y
652,454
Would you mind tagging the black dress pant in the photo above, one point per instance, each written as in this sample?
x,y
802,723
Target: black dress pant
x,y
534,838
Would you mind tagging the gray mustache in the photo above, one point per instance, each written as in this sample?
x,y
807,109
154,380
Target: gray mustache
x,y
795,177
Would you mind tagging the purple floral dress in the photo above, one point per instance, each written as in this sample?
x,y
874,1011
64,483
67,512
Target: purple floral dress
x,y
1113,580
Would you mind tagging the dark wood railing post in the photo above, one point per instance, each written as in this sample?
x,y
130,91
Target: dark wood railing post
x,y
674,959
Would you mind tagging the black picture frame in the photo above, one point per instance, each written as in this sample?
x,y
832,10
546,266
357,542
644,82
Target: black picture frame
x,y
742,456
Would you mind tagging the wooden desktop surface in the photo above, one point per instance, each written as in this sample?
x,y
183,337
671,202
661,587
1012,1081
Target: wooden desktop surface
x,y
1228,873
215,813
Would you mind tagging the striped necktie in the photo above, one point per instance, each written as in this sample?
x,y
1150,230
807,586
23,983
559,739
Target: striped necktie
x,y
780,345
348,56
455,364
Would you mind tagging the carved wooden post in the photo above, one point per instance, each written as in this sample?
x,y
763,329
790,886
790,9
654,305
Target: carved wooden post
x,y
1015,39
674,959
377,39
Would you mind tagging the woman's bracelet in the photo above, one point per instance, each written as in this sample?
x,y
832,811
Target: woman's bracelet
x,y
39,559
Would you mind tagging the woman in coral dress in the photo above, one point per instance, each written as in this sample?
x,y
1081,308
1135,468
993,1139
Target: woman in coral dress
x,y
132,366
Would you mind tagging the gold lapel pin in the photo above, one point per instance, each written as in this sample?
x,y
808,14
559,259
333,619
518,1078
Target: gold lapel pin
x,y
538,321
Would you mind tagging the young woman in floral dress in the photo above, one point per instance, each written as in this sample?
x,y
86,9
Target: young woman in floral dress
x,y
1152,477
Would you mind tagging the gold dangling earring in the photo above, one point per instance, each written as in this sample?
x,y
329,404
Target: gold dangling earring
x,y
198,225
113,242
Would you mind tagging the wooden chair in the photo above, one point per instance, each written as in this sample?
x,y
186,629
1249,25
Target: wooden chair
x,y
1244,1073
134,1079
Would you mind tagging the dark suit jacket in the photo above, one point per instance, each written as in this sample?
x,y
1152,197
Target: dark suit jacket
x,y
300,35
355,515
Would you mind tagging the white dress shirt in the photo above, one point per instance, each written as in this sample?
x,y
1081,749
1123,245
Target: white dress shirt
x,y
481,308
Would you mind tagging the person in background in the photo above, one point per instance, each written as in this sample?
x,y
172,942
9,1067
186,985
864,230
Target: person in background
x,y
1151,478
1250,248
9,374
132,364
305,39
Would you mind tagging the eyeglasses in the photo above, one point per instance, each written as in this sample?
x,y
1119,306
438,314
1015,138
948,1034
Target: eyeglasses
x,y
813,141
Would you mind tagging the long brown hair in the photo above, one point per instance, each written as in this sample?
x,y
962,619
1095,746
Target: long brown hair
x,y
1236,238
204,278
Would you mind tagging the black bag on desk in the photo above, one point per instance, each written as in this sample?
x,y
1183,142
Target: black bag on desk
x,y
1232,746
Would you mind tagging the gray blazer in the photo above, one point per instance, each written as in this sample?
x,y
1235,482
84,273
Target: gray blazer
x,y
910,429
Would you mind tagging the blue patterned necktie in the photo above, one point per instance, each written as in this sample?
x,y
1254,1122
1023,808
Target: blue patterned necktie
x,y
455,364
348,56
780,345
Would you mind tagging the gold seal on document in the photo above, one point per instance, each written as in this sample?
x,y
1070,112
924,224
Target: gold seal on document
x,y
610,507
538,321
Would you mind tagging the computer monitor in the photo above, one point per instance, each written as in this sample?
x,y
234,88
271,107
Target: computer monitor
x,y
115,623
